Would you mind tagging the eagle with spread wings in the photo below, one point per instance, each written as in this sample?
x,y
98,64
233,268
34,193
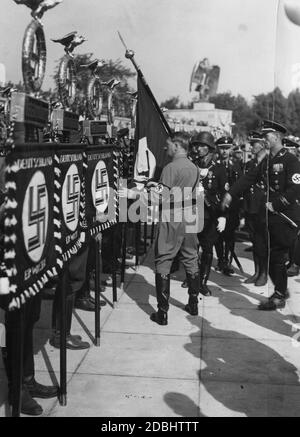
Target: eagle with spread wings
x,y
38,7
206,78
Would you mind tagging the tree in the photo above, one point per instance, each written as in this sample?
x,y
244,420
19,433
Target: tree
x,y
171,103
242,115
271,106
293,102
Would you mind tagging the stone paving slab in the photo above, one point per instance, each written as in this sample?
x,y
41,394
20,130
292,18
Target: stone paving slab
x,y
146,355
232,360
114,396
128,318
223,322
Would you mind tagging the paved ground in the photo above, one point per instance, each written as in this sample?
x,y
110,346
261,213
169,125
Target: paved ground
x,y
231,360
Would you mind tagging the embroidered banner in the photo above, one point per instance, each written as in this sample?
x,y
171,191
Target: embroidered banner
x,y
69,194
54,195
30,255
100,188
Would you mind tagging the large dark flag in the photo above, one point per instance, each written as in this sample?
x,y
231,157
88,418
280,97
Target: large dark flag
x,y
151,135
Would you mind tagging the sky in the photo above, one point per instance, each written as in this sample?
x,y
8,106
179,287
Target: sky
x,y
255,47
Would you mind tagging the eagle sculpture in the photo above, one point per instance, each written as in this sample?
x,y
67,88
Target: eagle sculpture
x,y
70,41
94,66
38,7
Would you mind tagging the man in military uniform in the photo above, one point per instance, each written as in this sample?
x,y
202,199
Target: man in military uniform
x,y
290,145
238,155
214,181
172,235
293,269
280,173
255,212
226,241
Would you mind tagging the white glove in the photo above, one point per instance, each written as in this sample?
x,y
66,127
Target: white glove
x,y
221,224
4,286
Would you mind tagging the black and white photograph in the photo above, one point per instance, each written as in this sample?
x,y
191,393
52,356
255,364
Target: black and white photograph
x,y
149,211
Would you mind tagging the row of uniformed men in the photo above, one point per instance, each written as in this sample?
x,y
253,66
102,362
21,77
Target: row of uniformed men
x,y
271,187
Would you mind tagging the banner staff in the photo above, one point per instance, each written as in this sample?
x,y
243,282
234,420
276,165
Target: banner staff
x,y
129,54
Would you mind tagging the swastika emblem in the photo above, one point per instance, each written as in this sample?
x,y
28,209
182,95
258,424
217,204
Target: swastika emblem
x,y
100,187
71,198
296,178
35,216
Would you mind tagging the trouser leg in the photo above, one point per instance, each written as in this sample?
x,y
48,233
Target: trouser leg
x,y
219,246
31,316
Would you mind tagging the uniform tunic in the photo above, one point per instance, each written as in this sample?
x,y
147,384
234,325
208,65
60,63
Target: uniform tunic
x,y
280,177
255,212
172,236
233,172
214,185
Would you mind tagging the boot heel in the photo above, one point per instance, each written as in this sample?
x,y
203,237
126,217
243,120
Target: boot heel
x,y
159,318
192,309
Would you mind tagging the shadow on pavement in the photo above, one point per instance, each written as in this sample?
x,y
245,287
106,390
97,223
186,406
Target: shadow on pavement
x,y
240,360
182,405
272,320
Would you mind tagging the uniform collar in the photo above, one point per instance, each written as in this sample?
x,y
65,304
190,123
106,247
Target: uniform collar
x,y
179,156
279,154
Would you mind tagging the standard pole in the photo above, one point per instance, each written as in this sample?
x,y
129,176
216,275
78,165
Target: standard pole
x,y
17,318
114,272
124,244
137,242
145,236
62,289
97,243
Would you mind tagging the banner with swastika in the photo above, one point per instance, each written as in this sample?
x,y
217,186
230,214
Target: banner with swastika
x,y
69,164
30,255
100,188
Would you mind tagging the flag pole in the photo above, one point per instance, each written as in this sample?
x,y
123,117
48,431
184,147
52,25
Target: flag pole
x,y
129,54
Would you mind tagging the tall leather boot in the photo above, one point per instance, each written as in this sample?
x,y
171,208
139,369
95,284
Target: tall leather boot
x,y
279,297
293,270
254,277
194,288
205,267
162,283
263,273
229,247
219,246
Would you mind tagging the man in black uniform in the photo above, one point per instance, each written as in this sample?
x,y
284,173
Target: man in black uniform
x,y
238,156
280,173
226,241
214,181
255,213
294,268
